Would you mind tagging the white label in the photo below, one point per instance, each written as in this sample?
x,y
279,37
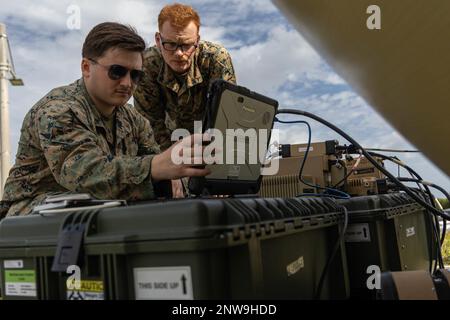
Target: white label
x,y
295,266
20,289
357,233
165,283
410,232
13,264
303,149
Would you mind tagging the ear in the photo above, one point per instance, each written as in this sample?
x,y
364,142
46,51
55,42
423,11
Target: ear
x,y
85,68
157,40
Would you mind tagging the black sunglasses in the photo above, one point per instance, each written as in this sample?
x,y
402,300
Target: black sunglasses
x,y
116,72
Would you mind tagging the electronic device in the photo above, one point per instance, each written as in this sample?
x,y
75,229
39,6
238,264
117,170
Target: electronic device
x,y
323,168
243,119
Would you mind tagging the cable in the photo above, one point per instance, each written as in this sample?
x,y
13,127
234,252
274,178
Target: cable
x,y
442,214
426,183
406,189
434,245
431,208
393,150
444,223
325,195
326,269
350,172
413,173
300,174
427,189
444,192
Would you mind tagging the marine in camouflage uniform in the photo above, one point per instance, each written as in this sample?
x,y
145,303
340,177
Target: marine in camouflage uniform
x,y
171,101
66,145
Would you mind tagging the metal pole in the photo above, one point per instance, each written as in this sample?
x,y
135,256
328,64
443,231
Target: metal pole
x,y
5,160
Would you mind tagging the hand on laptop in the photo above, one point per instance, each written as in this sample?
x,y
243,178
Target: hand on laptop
x,y
180,160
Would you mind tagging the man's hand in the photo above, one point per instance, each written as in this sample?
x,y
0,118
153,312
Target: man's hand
x,y
163,168
177,189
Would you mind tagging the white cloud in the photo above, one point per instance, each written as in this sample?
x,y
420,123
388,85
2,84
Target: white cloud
x,y
266,66
284,56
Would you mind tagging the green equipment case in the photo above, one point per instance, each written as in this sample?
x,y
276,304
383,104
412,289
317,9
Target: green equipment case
x,y
241,248
390,232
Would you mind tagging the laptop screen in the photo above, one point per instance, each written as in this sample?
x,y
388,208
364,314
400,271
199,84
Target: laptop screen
x,y
240,123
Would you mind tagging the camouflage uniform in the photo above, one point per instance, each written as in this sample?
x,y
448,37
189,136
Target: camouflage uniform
x,y
65,146
169,104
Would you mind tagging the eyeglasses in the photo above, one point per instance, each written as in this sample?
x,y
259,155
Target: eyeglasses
x,y
116,72
173,46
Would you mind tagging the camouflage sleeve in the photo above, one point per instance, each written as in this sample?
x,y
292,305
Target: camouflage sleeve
x,y
79,165
222,66
148,101
146,140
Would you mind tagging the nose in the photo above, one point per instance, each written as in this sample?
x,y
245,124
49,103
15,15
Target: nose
x,y
179,52
126,81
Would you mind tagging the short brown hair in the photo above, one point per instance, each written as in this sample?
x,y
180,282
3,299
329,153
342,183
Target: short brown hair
x,y
108,35
179,15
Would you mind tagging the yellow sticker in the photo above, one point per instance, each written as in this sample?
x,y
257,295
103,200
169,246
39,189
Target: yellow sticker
x,y
91,286
89,290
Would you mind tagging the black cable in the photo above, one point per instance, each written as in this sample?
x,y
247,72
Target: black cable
x,y
321,195
434,242
426,183
401,186
393,150
434,223
435,186
442,214
434,245
344,179
300,174
432,201
346,176
398,162
331,257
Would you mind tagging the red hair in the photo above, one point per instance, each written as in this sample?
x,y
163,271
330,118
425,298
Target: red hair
x,y
179,15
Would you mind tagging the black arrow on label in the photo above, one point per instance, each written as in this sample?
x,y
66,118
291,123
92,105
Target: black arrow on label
x,y
183,281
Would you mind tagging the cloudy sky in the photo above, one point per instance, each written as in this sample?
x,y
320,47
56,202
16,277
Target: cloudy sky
x,y
269,57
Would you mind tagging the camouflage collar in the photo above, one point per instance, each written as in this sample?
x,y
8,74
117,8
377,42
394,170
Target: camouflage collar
x,y
167,77
123,126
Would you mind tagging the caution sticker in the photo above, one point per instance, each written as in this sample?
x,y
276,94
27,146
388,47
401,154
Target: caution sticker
x,y
89,290
20,283
163,283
